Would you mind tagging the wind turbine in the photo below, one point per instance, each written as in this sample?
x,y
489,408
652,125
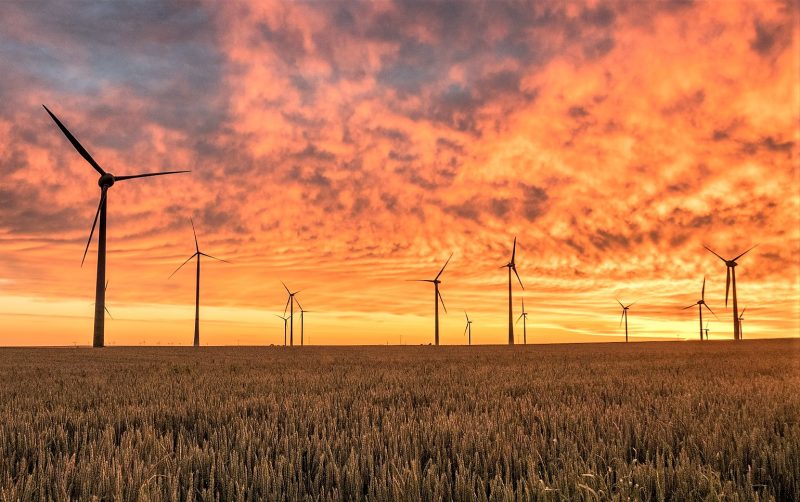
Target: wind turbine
x,y
741,318
284,327
468,328
106,181
625,317
524,317
706,330
302,329
290,304
512,266
730,266
107,311
700,304
198,254
437,297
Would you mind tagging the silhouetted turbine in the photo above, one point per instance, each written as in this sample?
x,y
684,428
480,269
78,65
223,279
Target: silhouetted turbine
x,y
741,318
106,181
524,317
512,266
700,304
302,328
285,319
290,305
198,254
730,267
468,328
107,311
706,330
437,297
625,317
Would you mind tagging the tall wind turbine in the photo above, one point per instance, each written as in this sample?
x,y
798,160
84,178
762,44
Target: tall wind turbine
x,y
285,319
512,266
730,266
106,181
290,305
524,317
197,254
437,297
625,317
700,304
741,318
468,328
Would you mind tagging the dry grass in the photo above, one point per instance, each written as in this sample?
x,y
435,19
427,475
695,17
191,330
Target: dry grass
x,y
659,421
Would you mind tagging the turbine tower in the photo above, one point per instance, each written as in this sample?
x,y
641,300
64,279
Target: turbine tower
x,y
197,254
512,266
625,317
437,297
730,266
468,328
524,317
106,181
302,325
290,305
285,319
700,304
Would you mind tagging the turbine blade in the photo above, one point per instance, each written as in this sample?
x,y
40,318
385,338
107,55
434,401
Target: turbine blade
x,y
445,264
727,285
703,292
145,175
715,254
621,318
518,318
109,313
742,312
752,248
182,264
690,306
465,329
620,303
287,305
442,300
709,309
196,245
286,288
213,257
514,250
94,224
518,279
81,150
465,315
523,304
298,303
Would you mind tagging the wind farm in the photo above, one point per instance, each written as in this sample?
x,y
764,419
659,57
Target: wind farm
x,y
347,160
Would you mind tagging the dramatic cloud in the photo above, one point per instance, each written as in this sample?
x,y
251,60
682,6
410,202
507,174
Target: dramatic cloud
x,y
345,147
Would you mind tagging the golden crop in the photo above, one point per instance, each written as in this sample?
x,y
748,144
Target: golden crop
x,y
654,421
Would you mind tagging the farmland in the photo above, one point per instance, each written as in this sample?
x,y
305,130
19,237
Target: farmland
x,y
674,421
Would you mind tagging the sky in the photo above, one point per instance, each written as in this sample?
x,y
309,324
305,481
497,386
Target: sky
x,y
347,148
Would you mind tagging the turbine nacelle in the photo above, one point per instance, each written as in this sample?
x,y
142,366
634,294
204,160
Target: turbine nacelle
x,y
106,180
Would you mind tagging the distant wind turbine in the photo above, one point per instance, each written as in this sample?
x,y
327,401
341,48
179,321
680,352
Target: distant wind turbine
x,y
106,181
197,254
302,328
107,311
700,304
290,301
512,266
524,317
437,297
625,317
706,330
741,318
468,328
285,319
730,266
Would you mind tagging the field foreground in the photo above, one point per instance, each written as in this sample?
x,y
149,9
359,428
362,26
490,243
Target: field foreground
x,y
659,421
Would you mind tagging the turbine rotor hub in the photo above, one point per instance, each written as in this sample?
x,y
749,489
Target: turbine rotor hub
x,y
106,180
730,263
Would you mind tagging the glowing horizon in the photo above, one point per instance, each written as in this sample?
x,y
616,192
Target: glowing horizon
x,y
346,148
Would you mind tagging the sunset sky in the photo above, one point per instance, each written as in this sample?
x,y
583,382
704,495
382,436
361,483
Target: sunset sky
x,y
346,147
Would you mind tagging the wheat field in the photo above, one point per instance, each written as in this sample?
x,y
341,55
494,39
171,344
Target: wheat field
x,y
645,421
